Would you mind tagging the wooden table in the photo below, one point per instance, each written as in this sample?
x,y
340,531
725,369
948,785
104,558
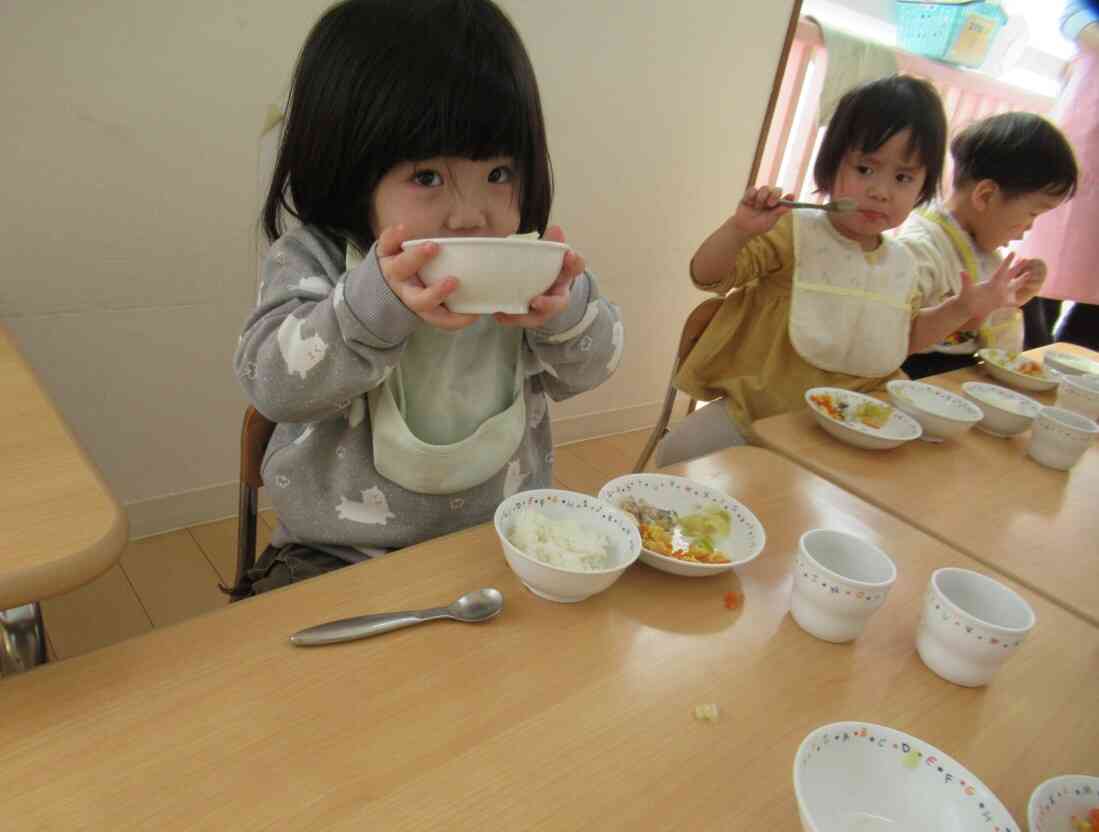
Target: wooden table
x,y
551,716
60,527
981,494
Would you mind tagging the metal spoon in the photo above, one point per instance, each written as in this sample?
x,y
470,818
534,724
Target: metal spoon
x,y
472,607
839,206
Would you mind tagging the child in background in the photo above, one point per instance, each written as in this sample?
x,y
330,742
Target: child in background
x,y
824,299
1009,169
399,420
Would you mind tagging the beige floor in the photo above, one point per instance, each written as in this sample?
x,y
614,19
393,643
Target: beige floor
x,y
171,577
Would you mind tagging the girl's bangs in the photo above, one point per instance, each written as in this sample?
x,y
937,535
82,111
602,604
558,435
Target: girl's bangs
x,y
476,117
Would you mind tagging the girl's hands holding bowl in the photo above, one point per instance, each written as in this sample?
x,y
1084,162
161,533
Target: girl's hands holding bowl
x,y
401,271
555,299
759,210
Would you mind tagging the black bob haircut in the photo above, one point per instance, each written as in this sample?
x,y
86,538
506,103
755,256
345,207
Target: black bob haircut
x,y
871,114
380,82
1021,152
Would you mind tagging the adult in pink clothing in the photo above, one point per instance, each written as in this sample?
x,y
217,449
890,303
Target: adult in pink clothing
x,y
1067,238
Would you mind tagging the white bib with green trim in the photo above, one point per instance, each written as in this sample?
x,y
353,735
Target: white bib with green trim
x,y
851,311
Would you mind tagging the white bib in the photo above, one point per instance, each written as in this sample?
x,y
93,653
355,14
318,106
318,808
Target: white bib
x,y
452,414
848,315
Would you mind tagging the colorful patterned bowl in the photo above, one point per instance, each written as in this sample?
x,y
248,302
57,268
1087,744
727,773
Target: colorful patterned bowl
x,y
860,776
899,429
1054,803
744,542
555,583
939,412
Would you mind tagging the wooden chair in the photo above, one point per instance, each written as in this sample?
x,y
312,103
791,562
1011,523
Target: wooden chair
x,y
693,328
255,433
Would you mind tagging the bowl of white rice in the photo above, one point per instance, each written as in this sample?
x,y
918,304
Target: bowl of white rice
x,y
565,546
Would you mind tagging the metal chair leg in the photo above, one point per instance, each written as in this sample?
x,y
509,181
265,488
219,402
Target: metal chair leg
x,y
661,427
22,639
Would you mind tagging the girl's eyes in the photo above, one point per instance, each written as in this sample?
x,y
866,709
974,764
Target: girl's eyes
x,y
865,170
427,178
501,175
905,179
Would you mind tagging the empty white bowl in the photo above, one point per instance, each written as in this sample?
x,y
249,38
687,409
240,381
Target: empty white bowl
x,y
860,776
555,583
1069,364
1006,412
744,542
1002,366
971,624
899,429
840,580
1060,437
1056,801
939,412
495,274
1080,394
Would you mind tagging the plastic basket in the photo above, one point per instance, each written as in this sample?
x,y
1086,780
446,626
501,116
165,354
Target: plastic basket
x,y
957,33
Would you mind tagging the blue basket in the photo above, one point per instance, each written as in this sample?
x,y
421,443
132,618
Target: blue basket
x,y
958,33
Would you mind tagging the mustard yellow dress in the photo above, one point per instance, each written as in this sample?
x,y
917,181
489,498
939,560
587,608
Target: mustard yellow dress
x,y
745,355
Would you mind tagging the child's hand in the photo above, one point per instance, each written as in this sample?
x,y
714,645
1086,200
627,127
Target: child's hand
x,y
555,299
759,210
401,270
1002,289
1035,275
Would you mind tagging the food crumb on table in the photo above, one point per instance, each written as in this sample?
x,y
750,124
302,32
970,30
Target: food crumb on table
x,y
732,600
706,713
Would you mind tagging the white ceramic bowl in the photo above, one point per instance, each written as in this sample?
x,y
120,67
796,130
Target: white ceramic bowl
x,y
860,776
1006,412
840,580
1000,364
1080,394
1056,801
899,429
555,583
744,542
1069,364
496,274
971,624
1060,437
939,412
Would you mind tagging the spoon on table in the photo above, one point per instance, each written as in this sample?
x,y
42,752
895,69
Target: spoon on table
x,y
839,206
472,607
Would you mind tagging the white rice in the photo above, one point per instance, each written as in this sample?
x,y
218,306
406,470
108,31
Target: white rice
x,y
563,543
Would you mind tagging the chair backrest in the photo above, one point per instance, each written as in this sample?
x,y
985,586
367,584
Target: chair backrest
x,y
693,328
255,433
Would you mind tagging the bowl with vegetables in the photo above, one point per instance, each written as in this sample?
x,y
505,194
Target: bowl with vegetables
x,y
1018,370
687,528
1069,803
861,420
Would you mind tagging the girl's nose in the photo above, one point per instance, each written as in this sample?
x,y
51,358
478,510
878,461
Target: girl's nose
x,y
464,215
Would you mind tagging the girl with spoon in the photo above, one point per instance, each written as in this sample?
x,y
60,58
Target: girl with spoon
x,y
823,297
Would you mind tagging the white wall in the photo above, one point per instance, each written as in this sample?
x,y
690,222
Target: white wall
x,y
128,220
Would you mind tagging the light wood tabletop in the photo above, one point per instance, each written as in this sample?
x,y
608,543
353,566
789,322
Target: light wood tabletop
x,y
979,493
60,527
550,716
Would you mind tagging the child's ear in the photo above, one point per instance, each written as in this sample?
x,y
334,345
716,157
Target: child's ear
x,y
983,194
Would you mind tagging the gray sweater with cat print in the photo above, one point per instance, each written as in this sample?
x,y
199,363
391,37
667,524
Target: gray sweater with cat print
x,y
322,337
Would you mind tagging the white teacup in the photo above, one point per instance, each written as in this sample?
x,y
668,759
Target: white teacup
x,y
1079,394
1060,437
839,581
970,626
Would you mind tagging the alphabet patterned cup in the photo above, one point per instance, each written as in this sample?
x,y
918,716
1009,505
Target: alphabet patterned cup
x,y
1060,437
970,626
839,582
